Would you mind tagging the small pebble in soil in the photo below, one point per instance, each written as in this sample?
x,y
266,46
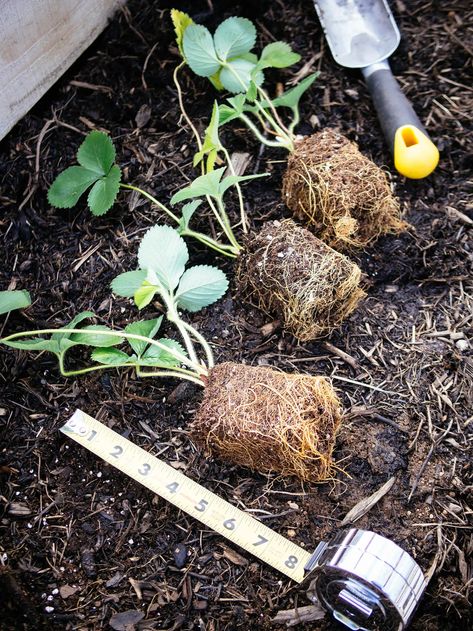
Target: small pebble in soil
x,y
180,555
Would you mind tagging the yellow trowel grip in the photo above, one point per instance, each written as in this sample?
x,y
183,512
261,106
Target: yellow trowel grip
x,y
415,155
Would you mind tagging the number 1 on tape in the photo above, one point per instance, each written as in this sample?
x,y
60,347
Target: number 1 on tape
x,y
189,496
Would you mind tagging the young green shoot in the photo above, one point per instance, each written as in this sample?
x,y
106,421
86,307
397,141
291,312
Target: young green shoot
x,y
162,258
227,61
211,145
98,173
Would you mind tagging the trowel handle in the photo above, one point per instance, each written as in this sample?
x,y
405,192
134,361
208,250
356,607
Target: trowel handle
x,y
415,155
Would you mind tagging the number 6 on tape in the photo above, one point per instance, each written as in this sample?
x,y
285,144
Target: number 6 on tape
x,y
207,507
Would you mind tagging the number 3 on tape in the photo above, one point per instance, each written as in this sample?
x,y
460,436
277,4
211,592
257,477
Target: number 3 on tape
x,y
194,499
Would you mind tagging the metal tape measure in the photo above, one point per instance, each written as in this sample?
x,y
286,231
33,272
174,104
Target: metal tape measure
x,y
366,581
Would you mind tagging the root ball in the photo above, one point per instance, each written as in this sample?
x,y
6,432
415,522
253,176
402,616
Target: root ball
x,y
269,421
339,193
289,273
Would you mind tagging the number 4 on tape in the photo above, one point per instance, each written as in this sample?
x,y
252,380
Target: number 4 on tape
x,y
194,499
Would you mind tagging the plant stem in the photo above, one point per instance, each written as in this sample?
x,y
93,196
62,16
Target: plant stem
x,y
83,371
259,136
226,220
274,111
203,342
170,373
243,217
196,367
226,250
295,120
152,199
181,104
276,123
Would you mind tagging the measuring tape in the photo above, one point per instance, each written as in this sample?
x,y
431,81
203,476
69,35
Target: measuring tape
x,y
366,581
189,496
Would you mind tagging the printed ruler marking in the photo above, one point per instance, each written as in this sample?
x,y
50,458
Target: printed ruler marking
x,y
189,496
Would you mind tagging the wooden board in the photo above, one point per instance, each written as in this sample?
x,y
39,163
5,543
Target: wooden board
x,y
40,39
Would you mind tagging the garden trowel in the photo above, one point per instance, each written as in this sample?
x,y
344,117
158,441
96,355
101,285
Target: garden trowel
x,y
363,34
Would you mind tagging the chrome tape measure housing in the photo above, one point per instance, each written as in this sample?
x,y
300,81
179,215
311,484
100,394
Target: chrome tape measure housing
x,y
366,581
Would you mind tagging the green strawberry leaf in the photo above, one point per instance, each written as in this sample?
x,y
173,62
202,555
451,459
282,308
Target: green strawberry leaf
x,y
200,286
69,185
234,37
187,211
180,21
103,193
292,97
145,294
157,357
277,55
128,283
97,153
110,356
15,299
199,50
237,75
91,336
163,251
147,328
207,184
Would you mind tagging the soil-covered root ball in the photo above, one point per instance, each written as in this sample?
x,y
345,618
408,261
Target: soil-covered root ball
x,y
343,197
269,421
289,273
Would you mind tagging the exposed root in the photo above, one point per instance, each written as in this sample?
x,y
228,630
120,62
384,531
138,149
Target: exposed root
x,y
339,193
269,421
288,272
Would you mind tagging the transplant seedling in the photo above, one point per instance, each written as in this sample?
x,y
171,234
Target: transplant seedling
x,y
98,174
247,412
343,211
162,257
257,417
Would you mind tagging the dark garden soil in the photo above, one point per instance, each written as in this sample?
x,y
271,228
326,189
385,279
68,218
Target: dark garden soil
x,y
81,542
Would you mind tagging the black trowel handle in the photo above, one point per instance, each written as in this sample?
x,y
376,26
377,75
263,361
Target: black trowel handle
x,y
415,155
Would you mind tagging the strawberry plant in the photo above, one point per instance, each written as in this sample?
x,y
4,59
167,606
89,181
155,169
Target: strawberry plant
x,y
340,194
162,257
227,60
98,174
247,413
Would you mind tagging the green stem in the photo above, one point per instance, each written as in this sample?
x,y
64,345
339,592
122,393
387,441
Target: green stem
x,y
270,143
196,367
265,96
294,122
203,342
83,371
243,217
170,373
152,199
181,105
275,122
179,373
226,220
226,250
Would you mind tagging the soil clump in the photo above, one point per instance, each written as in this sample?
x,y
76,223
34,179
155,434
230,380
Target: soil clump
x,y
286,271
269,420
339,193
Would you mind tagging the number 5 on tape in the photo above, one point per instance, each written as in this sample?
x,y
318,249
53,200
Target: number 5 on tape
x,y
207,507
